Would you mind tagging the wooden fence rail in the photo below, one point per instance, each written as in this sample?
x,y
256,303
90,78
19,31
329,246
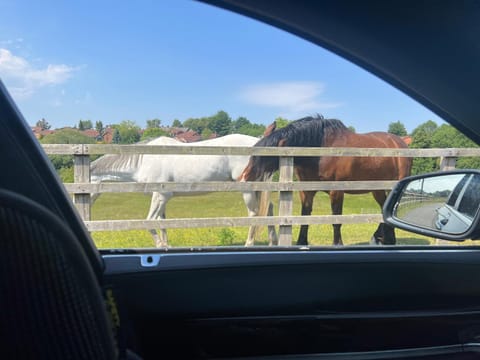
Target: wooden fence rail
x,y
91,188
82,188
96,149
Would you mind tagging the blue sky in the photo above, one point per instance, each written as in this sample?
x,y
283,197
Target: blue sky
x,y
113,61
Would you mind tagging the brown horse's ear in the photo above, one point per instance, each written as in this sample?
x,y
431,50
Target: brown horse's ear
x,y
270,128
282,142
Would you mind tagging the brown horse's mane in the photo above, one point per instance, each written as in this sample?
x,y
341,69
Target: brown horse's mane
x,y
306,132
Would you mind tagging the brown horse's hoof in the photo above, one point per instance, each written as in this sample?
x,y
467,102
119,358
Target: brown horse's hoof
x,y
374,241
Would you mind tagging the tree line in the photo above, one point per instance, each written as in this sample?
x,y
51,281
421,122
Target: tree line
x,y
429,135
128,132
426,135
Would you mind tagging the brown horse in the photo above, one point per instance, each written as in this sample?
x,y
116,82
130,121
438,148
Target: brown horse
x,y
320,132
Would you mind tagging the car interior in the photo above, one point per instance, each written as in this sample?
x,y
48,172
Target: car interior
x,y
61,298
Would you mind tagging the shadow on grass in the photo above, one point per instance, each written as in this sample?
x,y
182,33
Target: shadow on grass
x,y
401,241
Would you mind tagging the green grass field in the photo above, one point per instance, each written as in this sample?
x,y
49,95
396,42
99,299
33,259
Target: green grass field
x,y
135,206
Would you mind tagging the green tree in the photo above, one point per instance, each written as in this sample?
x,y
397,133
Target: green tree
x,y
99,126
281,122
351,128
240,122
397,128
206,133
84,125
428,128
116,139
177,123
446,136
153,123
422,140
152,133
100,129
220,123
256,130
243,126
43,124
129,132
197,124
67,136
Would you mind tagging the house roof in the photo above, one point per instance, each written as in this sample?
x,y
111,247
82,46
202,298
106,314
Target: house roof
x,y
188,136
91,133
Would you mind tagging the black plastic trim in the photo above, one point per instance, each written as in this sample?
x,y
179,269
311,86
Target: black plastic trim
x,y
131,263
372,355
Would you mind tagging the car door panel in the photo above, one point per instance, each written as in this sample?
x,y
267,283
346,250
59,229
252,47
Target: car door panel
x,y
252,303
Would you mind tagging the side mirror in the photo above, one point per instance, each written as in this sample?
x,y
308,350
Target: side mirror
x,y
443,205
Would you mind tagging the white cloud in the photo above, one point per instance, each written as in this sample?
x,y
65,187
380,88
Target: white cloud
x,y
293,97
23,79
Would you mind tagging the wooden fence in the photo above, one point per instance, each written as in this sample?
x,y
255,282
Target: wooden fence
x,y
82,188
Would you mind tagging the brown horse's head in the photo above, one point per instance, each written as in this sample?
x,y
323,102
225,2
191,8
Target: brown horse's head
x,y
308,132
259,167
270,128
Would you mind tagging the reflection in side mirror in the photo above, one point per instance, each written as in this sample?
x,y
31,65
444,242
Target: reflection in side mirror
x,y
443,205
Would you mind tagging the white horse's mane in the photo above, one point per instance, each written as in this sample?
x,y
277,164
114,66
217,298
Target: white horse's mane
x,y
122,166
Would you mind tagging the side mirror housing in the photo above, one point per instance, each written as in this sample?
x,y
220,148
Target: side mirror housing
x,y
443,205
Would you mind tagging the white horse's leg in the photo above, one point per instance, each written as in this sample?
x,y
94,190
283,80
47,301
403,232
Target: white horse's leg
x,y
157,211
251,201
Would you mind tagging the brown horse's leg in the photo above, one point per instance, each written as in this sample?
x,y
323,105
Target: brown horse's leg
x,y
385,234
306,197
336,203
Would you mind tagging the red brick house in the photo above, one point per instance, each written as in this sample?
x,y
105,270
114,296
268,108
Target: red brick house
x,y
39,133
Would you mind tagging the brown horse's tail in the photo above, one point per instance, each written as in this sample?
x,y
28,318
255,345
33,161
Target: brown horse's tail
x,y
263,203
263,198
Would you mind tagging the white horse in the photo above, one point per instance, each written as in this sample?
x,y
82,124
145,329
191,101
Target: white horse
x,y
181,168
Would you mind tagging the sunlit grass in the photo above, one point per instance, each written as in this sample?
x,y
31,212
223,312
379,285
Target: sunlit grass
x,y
135,206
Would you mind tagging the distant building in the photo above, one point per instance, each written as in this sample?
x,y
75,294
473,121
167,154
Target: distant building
x,y
108,135
188,136
185,135
174,131
92,133
39,133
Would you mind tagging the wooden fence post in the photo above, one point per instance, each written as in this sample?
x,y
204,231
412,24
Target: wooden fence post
x,y
81,174
285,206
447,163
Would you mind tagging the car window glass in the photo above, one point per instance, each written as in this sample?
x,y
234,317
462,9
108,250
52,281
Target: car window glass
x,y
181,73
452,200
470,197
